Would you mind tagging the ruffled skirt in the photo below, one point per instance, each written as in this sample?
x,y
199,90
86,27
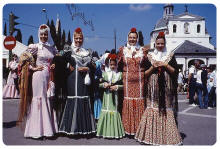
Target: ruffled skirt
x,y
158,129
41,121
131,114
110,125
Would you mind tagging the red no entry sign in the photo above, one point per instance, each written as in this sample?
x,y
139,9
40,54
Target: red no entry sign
x,y
9,42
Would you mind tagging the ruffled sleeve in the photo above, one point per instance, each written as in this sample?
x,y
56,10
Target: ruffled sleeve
x,y
33,48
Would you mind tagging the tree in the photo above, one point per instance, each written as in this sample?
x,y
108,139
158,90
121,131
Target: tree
x,y
18,37
141,38
69,42
5,30
53,31
58,37
30,40
63,39
48,23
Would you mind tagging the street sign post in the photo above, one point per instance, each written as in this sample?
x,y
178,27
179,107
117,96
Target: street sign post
x,y
9,42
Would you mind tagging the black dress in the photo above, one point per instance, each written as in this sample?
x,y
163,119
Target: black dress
x,y
77,116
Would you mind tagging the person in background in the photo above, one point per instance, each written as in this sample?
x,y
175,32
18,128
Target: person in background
x,y
192,82
97,90
212,93
201,87
11,89
180,81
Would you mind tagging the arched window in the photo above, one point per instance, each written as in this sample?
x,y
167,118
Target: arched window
x,y
186,28
174,28
198,28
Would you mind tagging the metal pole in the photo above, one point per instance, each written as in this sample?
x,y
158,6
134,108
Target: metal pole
x,y
45,11
115,37
11,33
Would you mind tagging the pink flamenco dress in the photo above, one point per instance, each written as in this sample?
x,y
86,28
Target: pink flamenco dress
x,y
10,90
41,118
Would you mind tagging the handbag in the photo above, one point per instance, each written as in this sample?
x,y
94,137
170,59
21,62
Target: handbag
x,y
87,80
51,89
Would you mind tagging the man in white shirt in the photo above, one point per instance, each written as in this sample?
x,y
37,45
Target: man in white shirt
x,y
192,82
212,93
180,81
201,87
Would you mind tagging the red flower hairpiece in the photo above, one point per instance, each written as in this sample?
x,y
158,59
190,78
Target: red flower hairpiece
x,y
112,56
78,30
161,34
133,30
43,26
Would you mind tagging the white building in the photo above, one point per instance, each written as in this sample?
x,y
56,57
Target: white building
x,y
187,36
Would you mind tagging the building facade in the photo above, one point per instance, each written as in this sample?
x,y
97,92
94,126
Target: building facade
x,y
187,36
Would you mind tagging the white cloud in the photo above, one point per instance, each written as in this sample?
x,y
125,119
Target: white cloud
x,y
140,7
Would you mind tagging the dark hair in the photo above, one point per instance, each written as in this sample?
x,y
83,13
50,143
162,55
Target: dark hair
x,y
133,32
115,60
158,37
161,35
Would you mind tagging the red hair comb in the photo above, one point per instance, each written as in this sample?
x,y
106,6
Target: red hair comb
x,y
78,30
112,56
161,34
133,30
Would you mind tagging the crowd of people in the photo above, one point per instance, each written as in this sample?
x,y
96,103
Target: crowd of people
x,y
130,92
200,85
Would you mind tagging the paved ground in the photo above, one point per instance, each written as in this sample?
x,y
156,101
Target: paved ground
x,y
197,127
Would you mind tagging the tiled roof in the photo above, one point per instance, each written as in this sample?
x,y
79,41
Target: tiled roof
x,y
189,47
161,23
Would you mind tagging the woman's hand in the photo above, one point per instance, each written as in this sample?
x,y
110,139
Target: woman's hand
x,y
52,66
71,68
157,64
114,88
83,69
38,68
162,64
106,85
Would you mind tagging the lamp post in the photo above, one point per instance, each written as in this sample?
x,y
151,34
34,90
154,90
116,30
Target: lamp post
x,y
45,11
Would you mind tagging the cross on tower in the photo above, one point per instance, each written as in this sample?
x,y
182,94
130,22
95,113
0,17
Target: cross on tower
x,y
186,8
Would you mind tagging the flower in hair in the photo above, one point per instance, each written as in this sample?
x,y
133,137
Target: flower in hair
x,y
161,34
78,30
112,56
133,30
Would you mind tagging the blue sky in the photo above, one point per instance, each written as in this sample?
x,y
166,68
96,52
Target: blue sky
x,y
106,18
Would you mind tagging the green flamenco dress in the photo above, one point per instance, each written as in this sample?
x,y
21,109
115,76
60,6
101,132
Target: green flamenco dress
x,y
110,124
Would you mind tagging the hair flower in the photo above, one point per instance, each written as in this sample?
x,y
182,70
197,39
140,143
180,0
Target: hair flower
x,y
133,30
78,30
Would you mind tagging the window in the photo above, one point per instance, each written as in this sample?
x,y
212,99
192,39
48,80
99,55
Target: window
x,y
186,28
174,28
198,28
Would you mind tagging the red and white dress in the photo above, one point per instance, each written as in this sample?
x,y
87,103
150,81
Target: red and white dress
x,y
133,66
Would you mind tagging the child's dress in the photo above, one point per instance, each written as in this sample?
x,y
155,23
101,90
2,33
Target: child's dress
x,y
97,91
110,124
